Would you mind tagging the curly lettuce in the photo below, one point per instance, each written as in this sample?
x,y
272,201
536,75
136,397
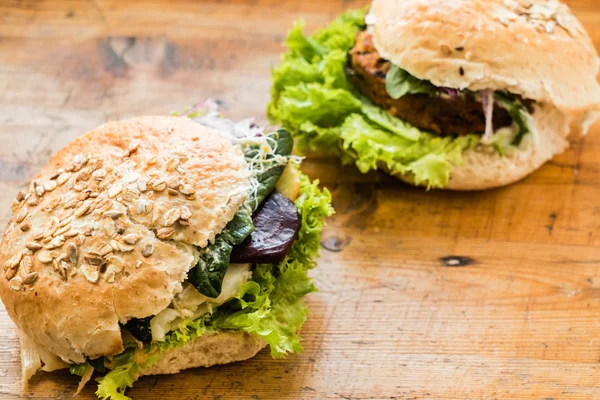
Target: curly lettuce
x,y
313,98
269,306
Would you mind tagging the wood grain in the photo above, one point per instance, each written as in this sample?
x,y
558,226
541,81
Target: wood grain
x,y
519,320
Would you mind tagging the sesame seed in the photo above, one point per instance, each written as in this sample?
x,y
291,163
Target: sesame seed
x,y
25,226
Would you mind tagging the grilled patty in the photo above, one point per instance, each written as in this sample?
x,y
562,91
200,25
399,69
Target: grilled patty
x,y
443,116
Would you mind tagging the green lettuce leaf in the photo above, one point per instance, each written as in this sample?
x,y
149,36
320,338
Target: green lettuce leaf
x,y
399,83
269,306
312,97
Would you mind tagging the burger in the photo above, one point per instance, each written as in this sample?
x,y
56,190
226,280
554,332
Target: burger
x,y
155,244
452,94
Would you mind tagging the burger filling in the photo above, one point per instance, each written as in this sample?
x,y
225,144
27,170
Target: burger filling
x,y
251,278
335,93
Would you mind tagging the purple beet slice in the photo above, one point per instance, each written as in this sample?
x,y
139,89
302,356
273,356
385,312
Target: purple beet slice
x,y
276,223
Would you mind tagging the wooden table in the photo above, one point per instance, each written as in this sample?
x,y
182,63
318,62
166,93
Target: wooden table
x,y
392,319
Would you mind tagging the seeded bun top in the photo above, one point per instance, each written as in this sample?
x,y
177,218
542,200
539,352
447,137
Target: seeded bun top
x,y
105,232
535,48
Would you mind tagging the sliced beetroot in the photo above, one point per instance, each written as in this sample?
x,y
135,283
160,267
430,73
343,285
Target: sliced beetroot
x,y
276,223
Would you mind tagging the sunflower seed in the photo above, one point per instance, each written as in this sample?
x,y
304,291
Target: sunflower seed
x,y
82,210
55,243
94,260
63,178
70,203
115,190
63,270
172,164
138,264
38,236
184,222
25,226
85,174
142,185
26,264
21,214
33,201
171,216
130,178
90,273
72,253
125,248
33,246
79,240
148,249
52,204
62,230
114,244
105,250
46,257
14,260
165,233
84,194
173,182
39,189
51,226
132,238
50,186
113,214
16,283
186,189
186,214
99,174
10,273
20,196
130,195
30,278
172,192
70,234
159,186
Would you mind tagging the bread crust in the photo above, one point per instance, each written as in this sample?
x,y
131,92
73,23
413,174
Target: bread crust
x,y
105,231
210,349
541,52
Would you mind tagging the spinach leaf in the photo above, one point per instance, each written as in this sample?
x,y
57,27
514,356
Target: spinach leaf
x,y
207,276
399,83
268,179
140,328
517,112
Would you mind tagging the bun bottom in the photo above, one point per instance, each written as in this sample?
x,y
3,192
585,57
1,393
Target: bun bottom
x,y
484,168
208,350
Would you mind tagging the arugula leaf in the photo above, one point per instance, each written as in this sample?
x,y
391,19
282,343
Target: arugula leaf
x,y
399,82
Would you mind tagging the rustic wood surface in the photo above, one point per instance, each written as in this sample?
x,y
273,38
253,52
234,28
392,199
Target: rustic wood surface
x,y
519,321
